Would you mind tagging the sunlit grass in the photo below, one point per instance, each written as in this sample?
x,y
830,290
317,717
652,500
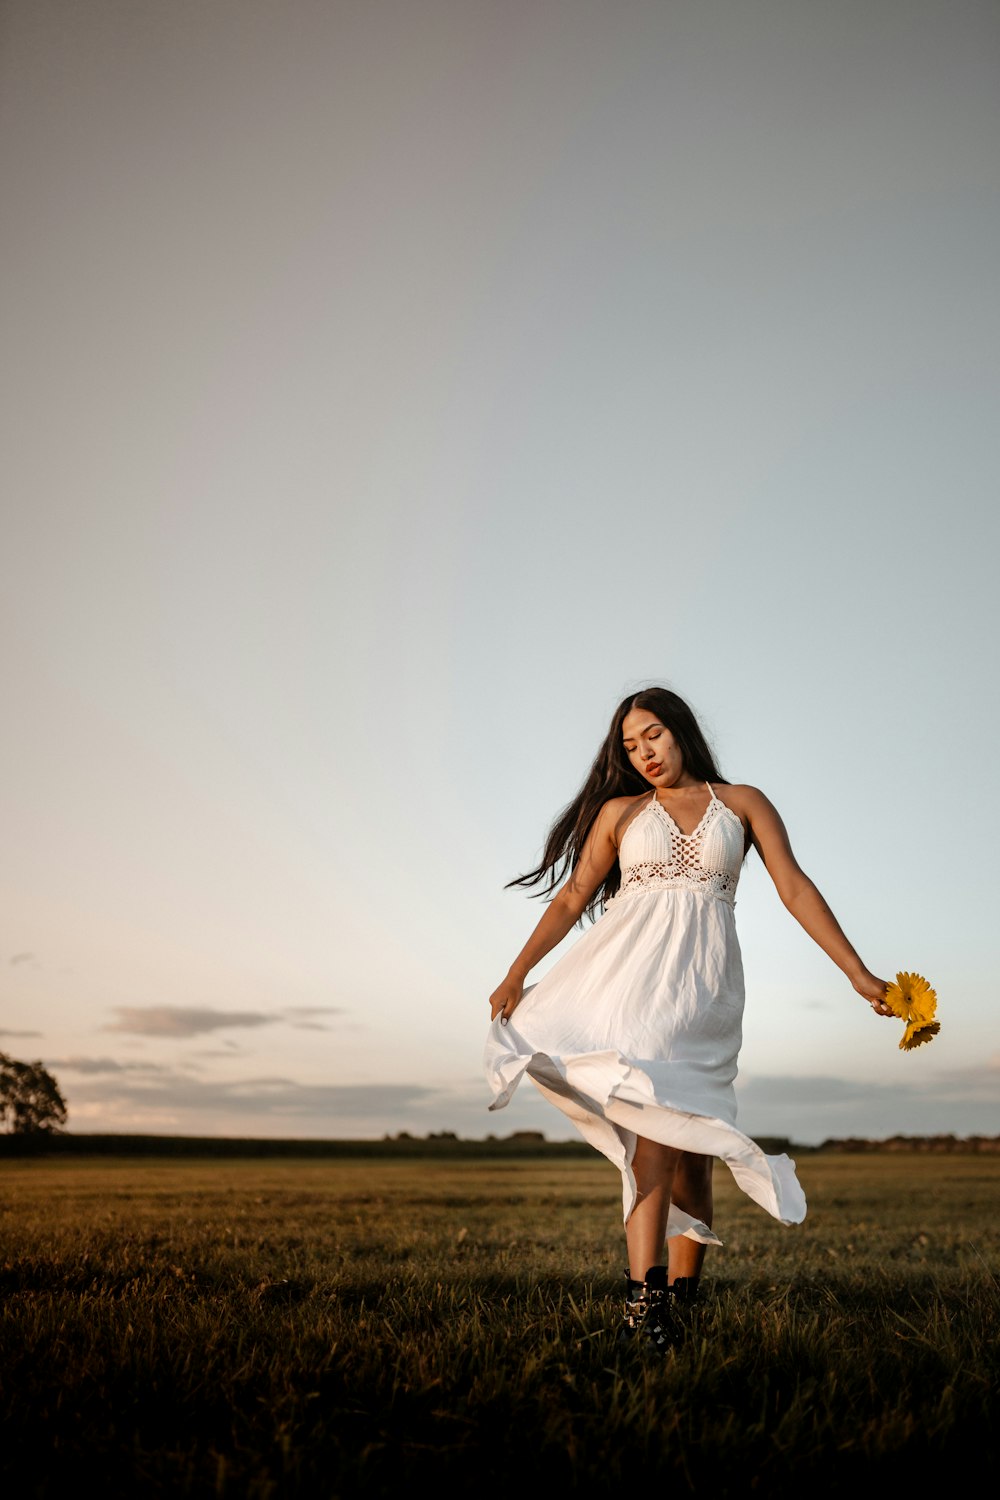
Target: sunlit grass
x,y
327,1328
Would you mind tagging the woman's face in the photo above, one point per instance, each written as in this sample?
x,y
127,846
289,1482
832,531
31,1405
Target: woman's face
x,y
652,749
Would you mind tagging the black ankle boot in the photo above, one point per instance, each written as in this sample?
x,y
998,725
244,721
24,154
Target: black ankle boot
x,y
648,1319
688,1304
685,1292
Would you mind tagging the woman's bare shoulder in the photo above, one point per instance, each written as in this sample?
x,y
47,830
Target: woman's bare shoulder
x,y
615,806
740,789
618,812
742,798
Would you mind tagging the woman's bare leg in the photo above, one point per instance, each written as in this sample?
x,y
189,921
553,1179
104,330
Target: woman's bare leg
x,y
692,1191
654,1167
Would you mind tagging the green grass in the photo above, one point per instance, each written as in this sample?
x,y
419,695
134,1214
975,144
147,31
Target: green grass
x,y
332,1328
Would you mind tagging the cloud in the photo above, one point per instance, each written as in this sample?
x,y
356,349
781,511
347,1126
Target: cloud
x,y
961,1101
977,1084
314,1010
184,1021
181,1021
19,1033
806,1091
110,1096
983,1078
299,1016
102,1065
24,958
267,1104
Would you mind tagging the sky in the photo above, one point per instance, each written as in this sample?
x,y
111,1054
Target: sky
x,y
391,386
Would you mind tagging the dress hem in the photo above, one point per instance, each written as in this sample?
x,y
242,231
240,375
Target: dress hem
x,y
612,1102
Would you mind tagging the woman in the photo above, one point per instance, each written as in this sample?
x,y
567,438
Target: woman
x,y
635,1032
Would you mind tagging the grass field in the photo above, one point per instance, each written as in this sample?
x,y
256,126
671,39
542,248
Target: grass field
x,y
334,1328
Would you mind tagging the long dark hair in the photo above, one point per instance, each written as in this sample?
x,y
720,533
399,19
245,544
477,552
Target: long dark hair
x,y
613,775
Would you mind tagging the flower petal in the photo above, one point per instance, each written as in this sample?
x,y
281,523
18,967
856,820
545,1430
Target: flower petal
x,y
896,1003
912,998
917,1033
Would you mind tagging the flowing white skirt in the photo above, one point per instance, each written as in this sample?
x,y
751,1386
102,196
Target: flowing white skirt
x,y
636,1031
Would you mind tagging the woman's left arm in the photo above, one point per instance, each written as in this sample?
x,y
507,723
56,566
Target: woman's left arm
x,y
798,893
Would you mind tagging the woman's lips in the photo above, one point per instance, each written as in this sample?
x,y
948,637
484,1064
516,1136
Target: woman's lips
x,y
654,768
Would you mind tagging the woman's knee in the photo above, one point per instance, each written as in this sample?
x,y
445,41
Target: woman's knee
x,y
694,1169
654,1162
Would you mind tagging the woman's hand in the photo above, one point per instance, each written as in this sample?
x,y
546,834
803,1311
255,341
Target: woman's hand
x,y
505,999
873,991
565,908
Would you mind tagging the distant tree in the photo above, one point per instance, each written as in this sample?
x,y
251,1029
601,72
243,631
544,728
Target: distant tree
x,y
30,1101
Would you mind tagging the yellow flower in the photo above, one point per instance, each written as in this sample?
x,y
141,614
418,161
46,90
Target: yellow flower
x,y
915,1033
912,999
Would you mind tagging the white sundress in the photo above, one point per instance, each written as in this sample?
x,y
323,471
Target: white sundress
x,y
636,1030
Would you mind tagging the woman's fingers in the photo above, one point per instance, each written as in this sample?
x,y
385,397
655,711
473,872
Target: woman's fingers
x,y
503,1000
878,1001
500,1010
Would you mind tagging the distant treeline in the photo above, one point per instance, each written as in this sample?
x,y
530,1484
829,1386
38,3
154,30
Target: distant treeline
x,y
938,1144
444,1145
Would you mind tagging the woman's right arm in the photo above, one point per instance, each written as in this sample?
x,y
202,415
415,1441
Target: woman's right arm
x,y
565,909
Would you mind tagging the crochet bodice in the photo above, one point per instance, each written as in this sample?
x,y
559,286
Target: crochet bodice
x,y
655,855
